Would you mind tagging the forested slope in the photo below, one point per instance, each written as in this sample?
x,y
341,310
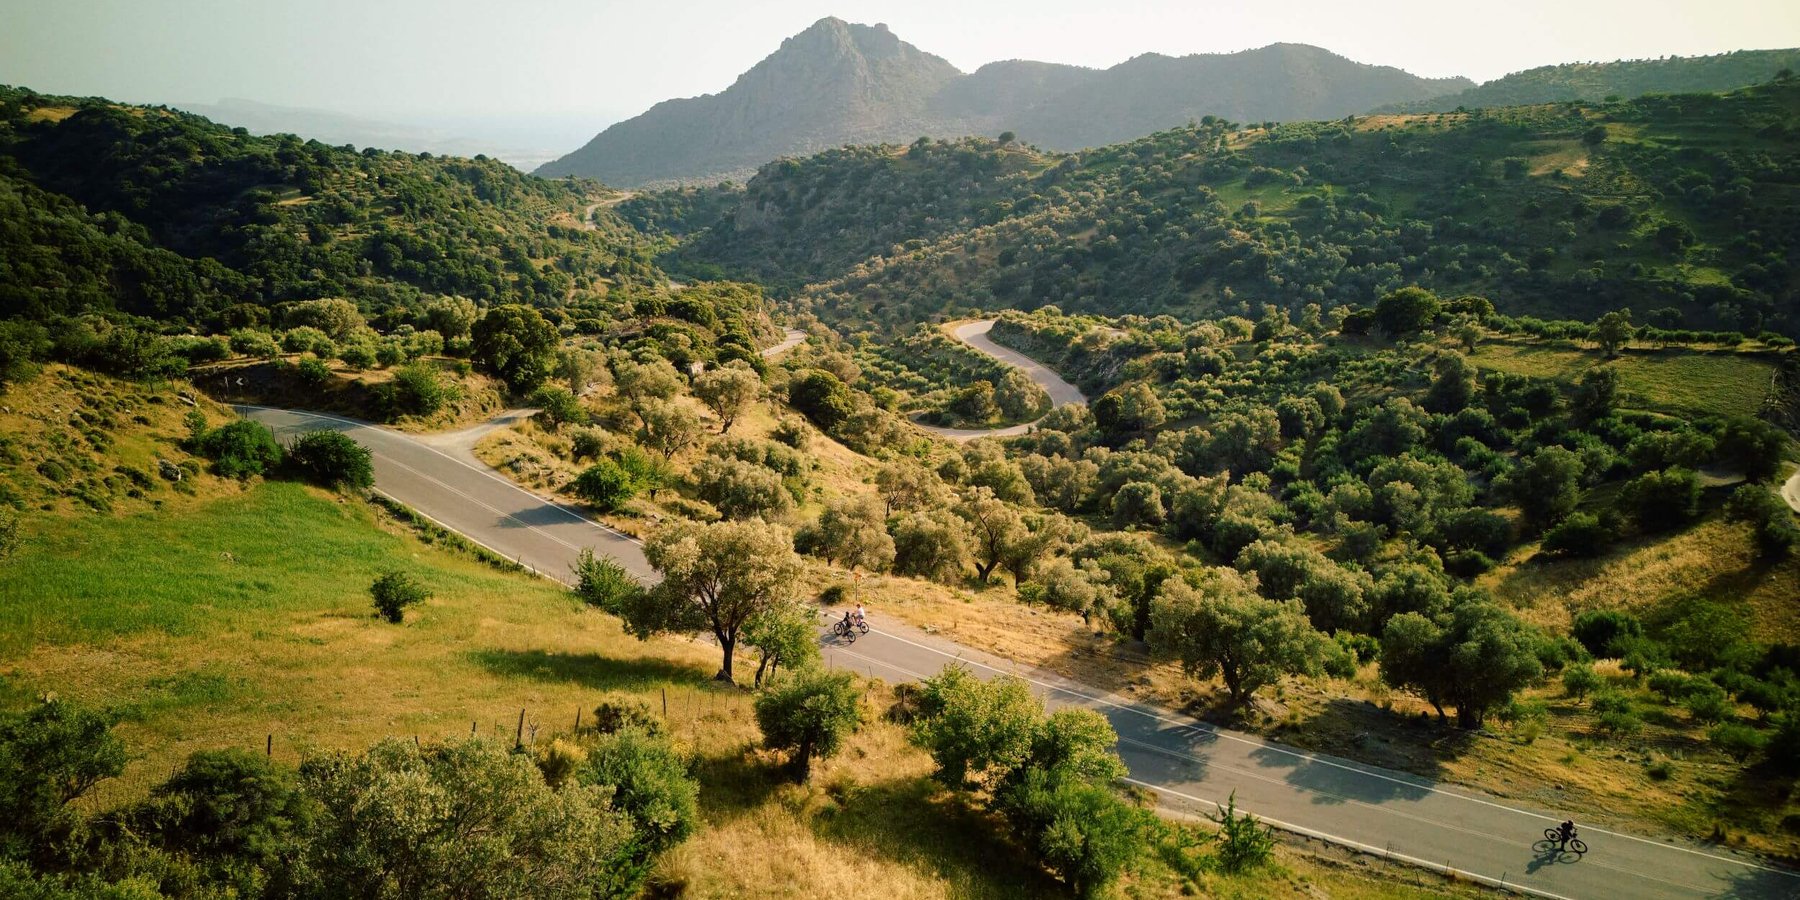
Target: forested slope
x,y
1621,78
160,213
1681,206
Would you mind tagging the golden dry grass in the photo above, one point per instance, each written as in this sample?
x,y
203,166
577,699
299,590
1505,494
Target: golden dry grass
x,y
311,666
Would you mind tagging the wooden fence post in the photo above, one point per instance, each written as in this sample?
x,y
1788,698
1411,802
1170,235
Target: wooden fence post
x,y
519,738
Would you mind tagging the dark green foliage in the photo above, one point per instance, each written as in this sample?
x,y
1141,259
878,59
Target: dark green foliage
x,y
1546,485
558,407
312,371
1080,830
50,756
822,397
516,345
1701,633
603,583
239,449
1406,311
1663,500
229,810
1751,446
1769,517
1143,226
605,484
417,389
1473,657
330,459
809,714
1607,633
160,213
1611,81
1244,843
1048,774
384,827
394,591
651,784
1581,535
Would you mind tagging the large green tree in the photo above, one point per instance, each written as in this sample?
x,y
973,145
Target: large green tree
x,y
715,578
514,343
1473,657
1223,628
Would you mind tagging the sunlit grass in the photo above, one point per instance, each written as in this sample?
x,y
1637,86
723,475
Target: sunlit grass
x,y
1724,383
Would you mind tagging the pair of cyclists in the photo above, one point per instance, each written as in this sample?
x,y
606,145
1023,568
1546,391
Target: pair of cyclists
x,y
855,618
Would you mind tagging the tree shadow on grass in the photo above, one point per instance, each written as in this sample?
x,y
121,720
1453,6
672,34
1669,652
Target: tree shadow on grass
x,y
917,823
588,669
735,783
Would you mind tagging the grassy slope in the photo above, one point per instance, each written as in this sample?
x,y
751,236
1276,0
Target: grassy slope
x,y
1712,383
206,624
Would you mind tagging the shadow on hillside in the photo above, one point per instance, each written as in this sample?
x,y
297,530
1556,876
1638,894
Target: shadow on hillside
x,y
1360,731
1330,782
1757,884
588,669
915,822
734,784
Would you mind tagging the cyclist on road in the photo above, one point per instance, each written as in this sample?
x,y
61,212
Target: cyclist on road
x,y
860,619
1566,831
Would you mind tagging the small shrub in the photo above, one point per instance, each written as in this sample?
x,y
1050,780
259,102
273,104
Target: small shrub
x,y
558,407
1244,844
604,584
418,389
1660,770
618,712
1579,681
605,484
587,443
1737,740
312,372
1581,535
394,591
1606,633
240,449
792,432
330,459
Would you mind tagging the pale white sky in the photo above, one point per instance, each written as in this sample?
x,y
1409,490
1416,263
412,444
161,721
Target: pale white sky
x,y
613,58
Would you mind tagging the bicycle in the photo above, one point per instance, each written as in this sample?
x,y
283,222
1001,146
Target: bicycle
x,y
847,630
1573,844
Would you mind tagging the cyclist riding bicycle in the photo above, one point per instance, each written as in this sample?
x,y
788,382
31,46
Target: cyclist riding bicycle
x,y
1566,830
860,618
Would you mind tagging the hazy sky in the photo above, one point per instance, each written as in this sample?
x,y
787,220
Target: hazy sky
x,y
613,58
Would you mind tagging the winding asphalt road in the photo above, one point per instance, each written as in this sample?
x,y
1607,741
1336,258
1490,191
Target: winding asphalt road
x,y
1062,393
1191,765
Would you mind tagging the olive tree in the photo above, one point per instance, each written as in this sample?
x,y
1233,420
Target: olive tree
x,y
785,636
996,526
1473,657
852,532
715,577
809,714
406,820
669,427
1222,628
728,391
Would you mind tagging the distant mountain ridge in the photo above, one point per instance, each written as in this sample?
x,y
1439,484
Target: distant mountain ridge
x,y
1625,78
839,83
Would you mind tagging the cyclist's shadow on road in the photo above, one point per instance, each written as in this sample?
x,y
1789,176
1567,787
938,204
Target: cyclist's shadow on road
x,y
1549,853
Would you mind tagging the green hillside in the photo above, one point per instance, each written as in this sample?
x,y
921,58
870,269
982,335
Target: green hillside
x,y
1622,78
156,212
1682,208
